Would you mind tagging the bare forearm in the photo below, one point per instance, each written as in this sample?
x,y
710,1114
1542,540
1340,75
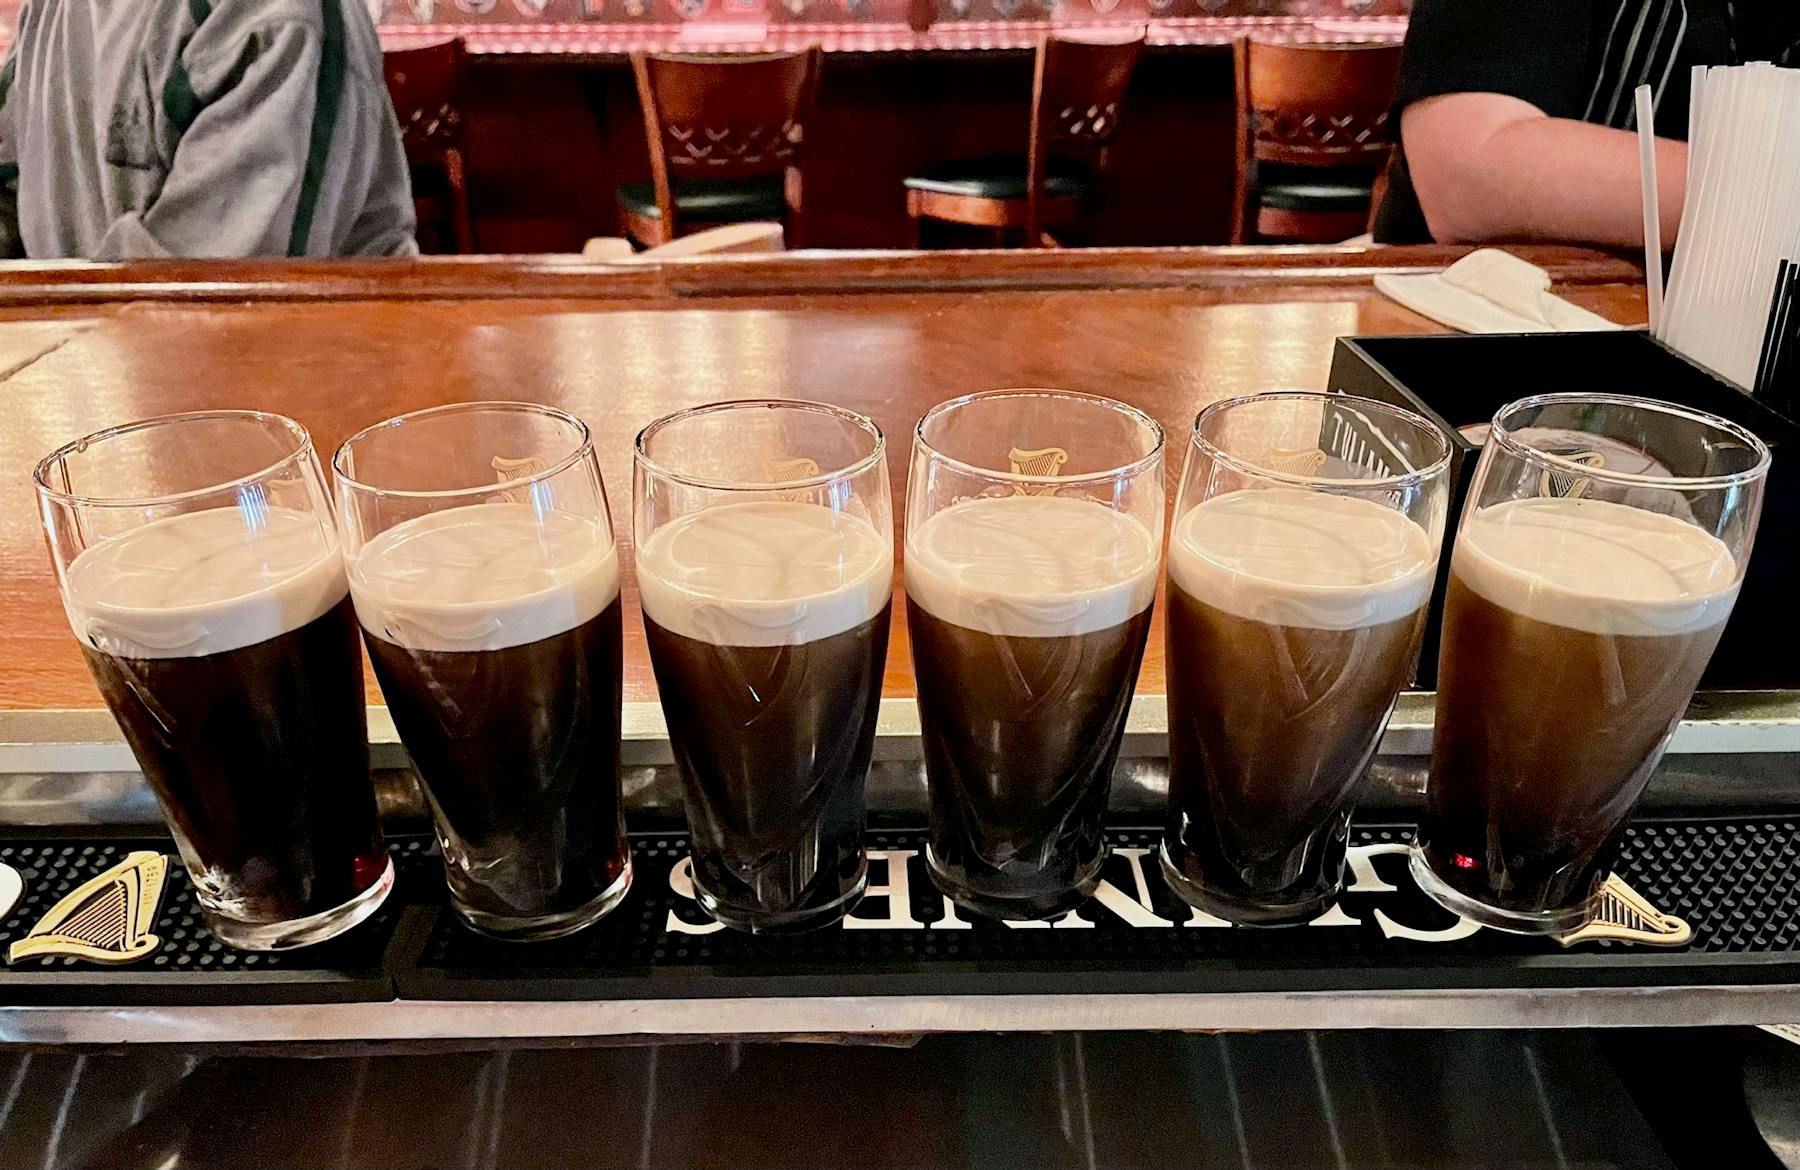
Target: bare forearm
x,y
1487,173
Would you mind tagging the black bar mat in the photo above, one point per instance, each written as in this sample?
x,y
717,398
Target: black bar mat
x,y
191,967
1736,881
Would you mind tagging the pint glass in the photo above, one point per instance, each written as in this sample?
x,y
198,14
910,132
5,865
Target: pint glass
x,y
1033,535
765,560
1303,553
1599,555
200,570
481,561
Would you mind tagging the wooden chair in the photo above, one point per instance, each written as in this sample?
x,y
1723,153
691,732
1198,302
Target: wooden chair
x,y
725,142
1076,92
426,86
1312,138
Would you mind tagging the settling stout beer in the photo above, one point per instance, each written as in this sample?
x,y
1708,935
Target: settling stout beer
x,y
1293,619
768,628
1575,630
495,631
225,644
1028,615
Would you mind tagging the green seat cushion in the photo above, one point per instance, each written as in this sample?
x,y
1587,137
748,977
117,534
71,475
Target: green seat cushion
x,y
710,200
1002,176
1296,188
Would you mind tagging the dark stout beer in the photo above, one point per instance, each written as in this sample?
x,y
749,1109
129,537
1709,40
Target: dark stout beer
x,y
1574,633
495,632
1293,618
768,628
776,742
227,650
1028,617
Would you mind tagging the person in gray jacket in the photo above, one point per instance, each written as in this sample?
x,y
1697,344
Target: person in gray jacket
x,y
206,128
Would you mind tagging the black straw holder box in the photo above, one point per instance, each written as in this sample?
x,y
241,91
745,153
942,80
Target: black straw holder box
x,y
1456,380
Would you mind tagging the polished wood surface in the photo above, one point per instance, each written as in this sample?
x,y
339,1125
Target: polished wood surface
x,y
1169,333
63,288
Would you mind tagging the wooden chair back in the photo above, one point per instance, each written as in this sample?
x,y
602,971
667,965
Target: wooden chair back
x,y
726,118
1321,105
1317,105
427,89
1077,91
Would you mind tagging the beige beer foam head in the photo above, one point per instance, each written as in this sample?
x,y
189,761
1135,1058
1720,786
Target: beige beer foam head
x,y
1598,566
204,582
767,572
484,577
1032,566
1290,557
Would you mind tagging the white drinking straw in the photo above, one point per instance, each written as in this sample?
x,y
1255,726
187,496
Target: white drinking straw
x,y
1653,275
1696,96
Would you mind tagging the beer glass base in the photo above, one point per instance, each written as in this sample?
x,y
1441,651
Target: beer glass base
x,y
1242,911
1024,908
785,921
543,927
301,932
1538,922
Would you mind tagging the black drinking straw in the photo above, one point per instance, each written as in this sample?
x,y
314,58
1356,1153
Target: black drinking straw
x,y
1781,388
1776,332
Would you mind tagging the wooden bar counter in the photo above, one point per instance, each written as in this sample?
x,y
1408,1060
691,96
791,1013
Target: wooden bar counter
x,y
340,346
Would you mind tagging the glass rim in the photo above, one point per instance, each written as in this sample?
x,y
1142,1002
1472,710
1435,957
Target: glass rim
x,y
1436,467
1116,406
642,459
1504,435
302,449
583,449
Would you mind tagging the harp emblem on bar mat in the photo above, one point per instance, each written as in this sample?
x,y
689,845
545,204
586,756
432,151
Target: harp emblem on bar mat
x,y
1043,461
1567,484
106,919
1624,915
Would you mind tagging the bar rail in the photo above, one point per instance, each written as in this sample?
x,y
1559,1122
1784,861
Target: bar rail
x,y
557,277
818,1017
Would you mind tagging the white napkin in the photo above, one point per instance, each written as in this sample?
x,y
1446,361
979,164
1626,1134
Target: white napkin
x,y
731,237
1490,291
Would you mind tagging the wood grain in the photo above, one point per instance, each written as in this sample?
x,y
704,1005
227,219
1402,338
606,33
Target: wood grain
x,y
620,357
65,287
